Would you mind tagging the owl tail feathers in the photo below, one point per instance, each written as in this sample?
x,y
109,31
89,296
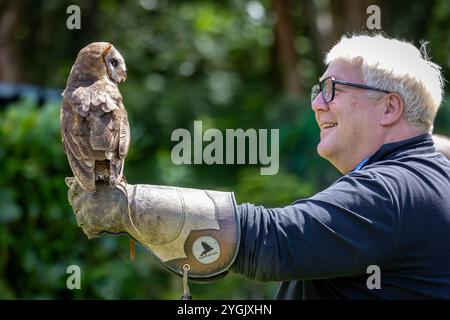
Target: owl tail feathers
x,y
116,177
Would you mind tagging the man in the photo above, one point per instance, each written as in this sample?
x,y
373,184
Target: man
x,y
389,212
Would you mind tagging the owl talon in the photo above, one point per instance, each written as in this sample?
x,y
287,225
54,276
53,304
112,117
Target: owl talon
x,y
69,181
122,186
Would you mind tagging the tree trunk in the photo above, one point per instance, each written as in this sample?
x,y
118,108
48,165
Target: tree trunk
x,y
285,50
345,16
9,18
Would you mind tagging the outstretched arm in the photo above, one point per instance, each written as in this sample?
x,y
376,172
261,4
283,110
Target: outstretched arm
x,y
178,225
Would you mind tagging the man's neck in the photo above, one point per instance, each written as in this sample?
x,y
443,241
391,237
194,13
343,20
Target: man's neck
x,y
401,133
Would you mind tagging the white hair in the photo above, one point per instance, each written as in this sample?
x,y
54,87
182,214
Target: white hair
x,y
396,66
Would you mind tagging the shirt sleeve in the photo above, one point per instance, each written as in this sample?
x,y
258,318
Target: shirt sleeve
x,y
337,232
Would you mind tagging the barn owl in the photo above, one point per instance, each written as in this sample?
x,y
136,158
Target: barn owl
x,y
94,124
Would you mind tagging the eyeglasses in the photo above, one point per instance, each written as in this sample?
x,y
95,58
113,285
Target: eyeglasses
x,y
328,86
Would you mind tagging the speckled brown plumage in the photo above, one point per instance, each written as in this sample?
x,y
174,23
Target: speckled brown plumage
x,y
94,124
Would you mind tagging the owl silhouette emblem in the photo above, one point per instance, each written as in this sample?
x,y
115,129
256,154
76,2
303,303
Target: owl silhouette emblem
x,y
206,248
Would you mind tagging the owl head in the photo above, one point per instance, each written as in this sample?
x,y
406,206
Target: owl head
x,y
115,65
97,60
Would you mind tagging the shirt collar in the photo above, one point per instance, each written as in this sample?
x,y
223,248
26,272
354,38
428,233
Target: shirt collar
x,y
416,145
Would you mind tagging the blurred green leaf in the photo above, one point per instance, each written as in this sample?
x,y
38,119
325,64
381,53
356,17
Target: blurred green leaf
x,y
9,211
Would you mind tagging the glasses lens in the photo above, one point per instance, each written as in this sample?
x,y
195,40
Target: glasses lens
x,y
315,90
327,89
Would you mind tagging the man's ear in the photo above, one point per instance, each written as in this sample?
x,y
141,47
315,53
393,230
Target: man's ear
x,y
393,109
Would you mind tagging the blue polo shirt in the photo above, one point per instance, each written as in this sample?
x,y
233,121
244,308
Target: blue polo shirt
x,y
394,213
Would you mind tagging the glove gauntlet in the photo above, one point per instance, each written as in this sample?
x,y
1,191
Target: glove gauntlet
x,y
177,225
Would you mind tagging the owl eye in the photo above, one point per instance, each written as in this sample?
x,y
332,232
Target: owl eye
x,y
114,62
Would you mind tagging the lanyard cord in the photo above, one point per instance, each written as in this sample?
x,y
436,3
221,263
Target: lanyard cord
x,y
360,165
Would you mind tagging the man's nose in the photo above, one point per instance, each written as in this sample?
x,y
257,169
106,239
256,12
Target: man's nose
x,y
318,104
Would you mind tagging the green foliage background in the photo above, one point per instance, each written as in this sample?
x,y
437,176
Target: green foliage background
x,y
193,60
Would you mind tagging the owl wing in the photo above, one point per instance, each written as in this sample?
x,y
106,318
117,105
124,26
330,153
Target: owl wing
x,y
118,161
75,137
124,135
100,97
101,105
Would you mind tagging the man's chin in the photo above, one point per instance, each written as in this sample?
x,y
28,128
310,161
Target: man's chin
x,y
324,150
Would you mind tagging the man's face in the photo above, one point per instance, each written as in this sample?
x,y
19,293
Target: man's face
x,y
353,115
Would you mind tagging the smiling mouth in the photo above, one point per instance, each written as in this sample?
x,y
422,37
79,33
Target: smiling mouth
x,y
328,125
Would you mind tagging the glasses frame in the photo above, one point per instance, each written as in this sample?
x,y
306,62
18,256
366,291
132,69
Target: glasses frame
x,y
333,88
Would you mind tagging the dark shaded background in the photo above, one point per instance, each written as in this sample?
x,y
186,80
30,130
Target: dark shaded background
x,y
233,64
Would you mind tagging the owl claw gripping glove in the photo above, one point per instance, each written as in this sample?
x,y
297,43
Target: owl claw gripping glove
x,y
178,225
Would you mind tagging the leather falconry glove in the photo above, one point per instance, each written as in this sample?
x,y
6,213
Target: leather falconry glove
x,y
177,225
